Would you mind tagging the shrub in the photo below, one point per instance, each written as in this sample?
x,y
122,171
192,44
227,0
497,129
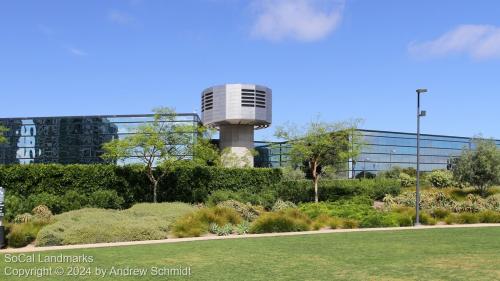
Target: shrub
x,y
440,213
73,200
489,217
23,234
392,173
426,219
204,220
23,218
281,205
452,219
190,226
378,220
185,183
218,215
246,211
284,221
106,199
334,223
403,219
366,175
289,173
406,180
141,222
321,221
463,218
440,178
350,223
333,190
264,198
53,202
428,200
15,205
468,218
357,208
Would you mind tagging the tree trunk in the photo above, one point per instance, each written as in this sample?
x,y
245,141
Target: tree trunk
x,y
155,188
316,199
315,180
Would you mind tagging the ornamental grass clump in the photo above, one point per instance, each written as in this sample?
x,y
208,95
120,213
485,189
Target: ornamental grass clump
x,y
22,234
204,220
489,216
290,220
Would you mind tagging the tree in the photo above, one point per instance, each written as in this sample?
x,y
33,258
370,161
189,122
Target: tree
x,y
479,167
205,153
322,144
159,143
3,139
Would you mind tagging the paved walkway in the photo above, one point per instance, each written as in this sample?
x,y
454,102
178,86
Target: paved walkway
x,y
31,248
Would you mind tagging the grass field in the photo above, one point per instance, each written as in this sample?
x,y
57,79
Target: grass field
x,y
432,254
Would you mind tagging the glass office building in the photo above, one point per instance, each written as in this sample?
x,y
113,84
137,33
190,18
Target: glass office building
x,y
381,151
79,139
70,140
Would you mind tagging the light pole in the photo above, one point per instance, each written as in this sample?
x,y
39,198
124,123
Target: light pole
x,y
2,229
417,197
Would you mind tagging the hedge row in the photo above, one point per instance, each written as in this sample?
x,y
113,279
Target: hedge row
x,y
68,187
333,190
183,183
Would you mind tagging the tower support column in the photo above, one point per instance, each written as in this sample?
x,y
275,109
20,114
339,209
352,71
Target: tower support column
x,y
237,143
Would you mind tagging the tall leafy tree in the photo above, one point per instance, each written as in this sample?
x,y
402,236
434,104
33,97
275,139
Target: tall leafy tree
x,y
204,151
479,167
322,144
157,144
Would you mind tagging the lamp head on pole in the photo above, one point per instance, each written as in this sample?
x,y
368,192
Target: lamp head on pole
x,y
421,91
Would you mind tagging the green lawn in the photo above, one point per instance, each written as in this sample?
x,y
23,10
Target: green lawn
x,y
435,254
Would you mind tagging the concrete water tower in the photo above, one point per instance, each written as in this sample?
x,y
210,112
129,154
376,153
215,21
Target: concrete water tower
x,y
236,110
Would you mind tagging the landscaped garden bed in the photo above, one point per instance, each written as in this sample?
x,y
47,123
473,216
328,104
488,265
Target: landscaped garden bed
x,y
147,221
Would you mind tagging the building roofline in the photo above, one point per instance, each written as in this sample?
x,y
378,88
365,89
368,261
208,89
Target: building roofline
x,y
97,116
406,133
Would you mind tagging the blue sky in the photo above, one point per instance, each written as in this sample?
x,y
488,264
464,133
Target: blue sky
x,y
340,59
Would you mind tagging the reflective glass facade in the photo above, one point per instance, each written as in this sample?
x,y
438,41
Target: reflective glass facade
x,y
79,139
383,150
70,140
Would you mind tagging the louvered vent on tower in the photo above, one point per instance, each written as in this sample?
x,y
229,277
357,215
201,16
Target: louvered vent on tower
x,y
207,101
253,98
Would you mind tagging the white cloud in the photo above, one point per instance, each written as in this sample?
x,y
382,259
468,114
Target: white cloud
x,y
76,51
120,17
477,41
303,20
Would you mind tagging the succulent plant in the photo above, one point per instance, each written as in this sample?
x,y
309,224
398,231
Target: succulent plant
x,y
213,228
243,228
23,218
225,230
281,205
42,213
